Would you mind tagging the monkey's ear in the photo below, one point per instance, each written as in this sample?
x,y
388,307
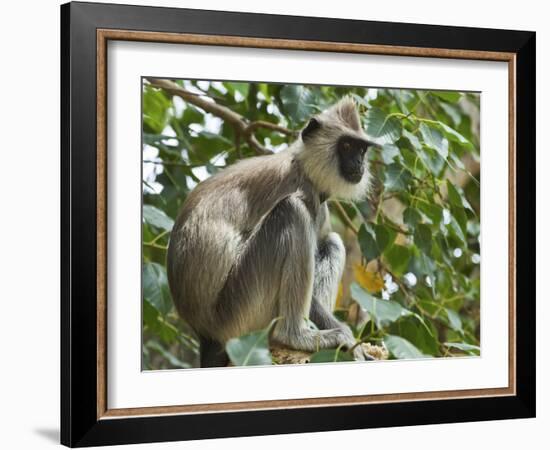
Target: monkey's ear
x,y
310,128
347,111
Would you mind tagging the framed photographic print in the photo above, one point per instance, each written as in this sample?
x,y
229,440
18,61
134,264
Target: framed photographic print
x,y
278,224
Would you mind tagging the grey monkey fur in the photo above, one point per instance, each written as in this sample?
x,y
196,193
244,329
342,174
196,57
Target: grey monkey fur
x,y
254,242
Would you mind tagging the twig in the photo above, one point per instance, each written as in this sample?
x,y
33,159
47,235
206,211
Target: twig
x,y
159,247
154,241
344,216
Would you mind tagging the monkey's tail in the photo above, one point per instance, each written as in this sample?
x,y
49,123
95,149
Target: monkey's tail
x,y
212,353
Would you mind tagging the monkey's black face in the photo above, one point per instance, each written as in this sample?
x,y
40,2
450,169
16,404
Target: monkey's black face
x,y
351,157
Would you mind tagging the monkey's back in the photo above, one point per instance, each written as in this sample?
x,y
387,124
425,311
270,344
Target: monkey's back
x,y
213,227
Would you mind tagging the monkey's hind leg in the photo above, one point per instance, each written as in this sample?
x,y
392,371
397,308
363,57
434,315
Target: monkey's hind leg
x,y
212,353
290,234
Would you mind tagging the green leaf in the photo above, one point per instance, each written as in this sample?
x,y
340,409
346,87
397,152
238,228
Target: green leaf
x,y
411,217
423,238
155,287
157,218
455,136
432,160
434,139
448,96
384,237
172,359
452,112
454,197
418,332
396,178
432,211
241,88
457,197
368,244
467,348
155,110
330,355
454,320
384,311
415,142
381,127
251,349
401,348
425,265
389,152
298,102
398,257
157,324
456,229
460,215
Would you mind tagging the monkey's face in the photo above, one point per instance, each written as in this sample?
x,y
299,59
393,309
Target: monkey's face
x,y
334,149
351,153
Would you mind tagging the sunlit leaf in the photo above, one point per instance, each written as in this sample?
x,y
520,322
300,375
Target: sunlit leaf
x,y
370,281
157,218
382,127
397,178
434,139
298,102
455,136
384,311
389,152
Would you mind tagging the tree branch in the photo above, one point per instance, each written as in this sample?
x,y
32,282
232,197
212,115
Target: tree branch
x,y
239,123
270,126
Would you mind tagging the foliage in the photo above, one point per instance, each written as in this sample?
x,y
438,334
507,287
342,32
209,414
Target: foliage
x,y
413,245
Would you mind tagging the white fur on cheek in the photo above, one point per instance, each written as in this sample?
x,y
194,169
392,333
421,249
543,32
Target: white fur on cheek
x,y
326,177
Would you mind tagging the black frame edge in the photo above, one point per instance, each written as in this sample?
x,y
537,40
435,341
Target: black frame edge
x,y
525,223
65,416
79,425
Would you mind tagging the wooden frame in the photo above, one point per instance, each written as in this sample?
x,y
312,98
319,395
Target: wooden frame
x,y
86,29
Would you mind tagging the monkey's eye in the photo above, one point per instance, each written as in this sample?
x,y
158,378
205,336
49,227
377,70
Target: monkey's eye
x,y
347,145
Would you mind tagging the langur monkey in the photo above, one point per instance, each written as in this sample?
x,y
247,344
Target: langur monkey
x,y
254,242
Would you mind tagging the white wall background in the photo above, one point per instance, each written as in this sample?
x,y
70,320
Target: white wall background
x,y
29,224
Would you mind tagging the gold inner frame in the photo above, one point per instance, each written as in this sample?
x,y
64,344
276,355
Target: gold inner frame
x,y
104,35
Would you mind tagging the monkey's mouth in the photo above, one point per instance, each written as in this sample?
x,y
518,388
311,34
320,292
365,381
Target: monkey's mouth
x,y
353,176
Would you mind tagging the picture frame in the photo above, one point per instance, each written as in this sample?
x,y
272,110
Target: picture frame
x,y
86,30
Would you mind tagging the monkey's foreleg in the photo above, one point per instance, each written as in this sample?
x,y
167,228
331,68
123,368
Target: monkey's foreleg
x,y
329,266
